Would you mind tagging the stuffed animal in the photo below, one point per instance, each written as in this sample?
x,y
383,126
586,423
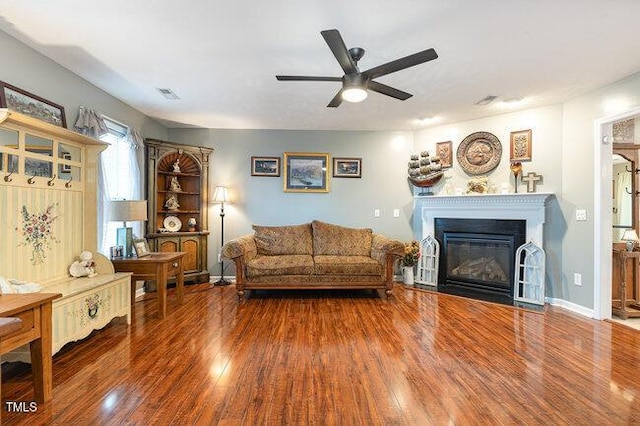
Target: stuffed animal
x,y
85,267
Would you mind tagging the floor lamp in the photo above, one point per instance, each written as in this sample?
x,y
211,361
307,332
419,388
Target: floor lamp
x,y
221,196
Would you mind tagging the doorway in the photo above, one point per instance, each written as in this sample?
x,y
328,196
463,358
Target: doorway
x,y
603,192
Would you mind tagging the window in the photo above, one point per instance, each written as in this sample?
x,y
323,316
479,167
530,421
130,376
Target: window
x,y
120,179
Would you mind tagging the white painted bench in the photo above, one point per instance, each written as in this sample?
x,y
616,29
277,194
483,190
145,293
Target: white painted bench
x,y
87,304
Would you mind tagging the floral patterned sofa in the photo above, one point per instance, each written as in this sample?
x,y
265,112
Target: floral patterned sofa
x,y
315,255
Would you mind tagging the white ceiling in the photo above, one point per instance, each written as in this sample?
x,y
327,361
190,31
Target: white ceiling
x,y
221,58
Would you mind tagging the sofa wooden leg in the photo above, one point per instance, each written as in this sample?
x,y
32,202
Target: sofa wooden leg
x,y
240,294
388,292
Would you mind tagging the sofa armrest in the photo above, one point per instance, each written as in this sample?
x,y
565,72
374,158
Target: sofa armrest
x,y
240,250
386,251
242,246
382,246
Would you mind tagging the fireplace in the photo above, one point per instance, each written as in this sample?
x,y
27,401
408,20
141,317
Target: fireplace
x,y
477,256
524,207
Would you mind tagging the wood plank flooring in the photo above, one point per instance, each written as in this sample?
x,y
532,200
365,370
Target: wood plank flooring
x,y
331,358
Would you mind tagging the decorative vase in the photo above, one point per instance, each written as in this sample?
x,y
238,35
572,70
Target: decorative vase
x,y
407,275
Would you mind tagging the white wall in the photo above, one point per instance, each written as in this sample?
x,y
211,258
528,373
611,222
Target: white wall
x,y
350,202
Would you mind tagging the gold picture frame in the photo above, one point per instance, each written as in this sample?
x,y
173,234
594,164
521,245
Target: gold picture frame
x,y
306,172
520,143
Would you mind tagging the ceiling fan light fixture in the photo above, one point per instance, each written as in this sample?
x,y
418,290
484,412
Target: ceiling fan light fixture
x,y
354,88
354,94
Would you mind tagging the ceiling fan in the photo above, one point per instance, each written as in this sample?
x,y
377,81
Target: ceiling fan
x,y
355,82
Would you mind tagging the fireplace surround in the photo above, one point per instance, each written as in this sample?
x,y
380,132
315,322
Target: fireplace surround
x,y
528,209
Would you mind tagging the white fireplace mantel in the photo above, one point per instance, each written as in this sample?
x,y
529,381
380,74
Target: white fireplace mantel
x,y
528,206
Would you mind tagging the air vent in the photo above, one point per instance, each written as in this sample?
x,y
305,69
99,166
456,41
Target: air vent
x,y
487,100
167,93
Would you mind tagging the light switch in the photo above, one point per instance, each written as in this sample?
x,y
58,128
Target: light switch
x,y
396,212
581,215
376,213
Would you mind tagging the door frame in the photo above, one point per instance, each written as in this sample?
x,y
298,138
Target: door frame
x,y
603,225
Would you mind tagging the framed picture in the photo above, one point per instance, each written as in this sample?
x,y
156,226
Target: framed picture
x,y
265,166
521,145
347,167
306,172
65,168
141,247
444,151
32,105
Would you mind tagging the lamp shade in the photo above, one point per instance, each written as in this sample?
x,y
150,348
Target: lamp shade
x,y
127,210
630,235
221,195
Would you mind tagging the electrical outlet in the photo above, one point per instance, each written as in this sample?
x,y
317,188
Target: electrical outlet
x,y
396,212
376,213
577,279
581,215
219,257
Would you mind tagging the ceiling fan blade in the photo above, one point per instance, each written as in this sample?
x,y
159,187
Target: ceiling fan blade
x,y
388,90
337,46
402,63
306,78
336,101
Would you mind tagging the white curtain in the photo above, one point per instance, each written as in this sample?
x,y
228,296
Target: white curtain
x,y
118,173
90,123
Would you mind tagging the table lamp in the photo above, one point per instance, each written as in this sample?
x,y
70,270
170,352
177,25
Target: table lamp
x,y
127,211
221,196
630,236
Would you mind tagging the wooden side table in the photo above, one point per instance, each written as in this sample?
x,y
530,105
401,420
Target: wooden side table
x,y
627,307
34,311
156,266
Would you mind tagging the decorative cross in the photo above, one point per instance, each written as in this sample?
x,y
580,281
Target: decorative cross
x,y
532,180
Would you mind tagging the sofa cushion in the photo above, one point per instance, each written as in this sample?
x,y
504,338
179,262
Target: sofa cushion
x,y
295,264
346,265
277,240
329,239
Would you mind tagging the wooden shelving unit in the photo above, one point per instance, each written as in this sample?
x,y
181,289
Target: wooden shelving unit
x,y
180,173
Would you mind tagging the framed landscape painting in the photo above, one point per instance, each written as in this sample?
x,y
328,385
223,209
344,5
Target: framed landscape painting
x,y
29,104
306,172
265,166
347,167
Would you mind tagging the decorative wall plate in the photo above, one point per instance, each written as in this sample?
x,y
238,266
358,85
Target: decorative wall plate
x,y
172,223
479,153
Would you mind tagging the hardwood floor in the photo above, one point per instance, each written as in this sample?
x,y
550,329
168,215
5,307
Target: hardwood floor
x,y
419,358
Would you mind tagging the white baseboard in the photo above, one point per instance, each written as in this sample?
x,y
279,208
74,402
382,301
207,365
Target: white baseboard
x,y
140,292
214,278
570,306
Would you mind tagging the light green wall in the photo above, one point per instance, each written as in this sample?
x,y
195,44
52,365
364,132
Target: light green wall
x,y
350,202
564,153
579,148
29,70
546,126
